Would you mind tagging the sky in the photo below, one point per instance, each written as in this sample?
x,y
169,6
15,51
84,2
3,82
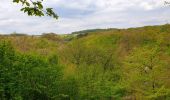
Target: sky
x,y
75,15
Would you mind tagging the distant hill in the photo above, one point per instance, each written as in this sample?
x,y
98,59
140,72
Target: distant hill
x,y
86,32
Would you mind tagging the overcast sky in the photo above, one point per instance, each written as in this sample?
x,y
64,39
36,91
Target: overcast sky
x,y
84,14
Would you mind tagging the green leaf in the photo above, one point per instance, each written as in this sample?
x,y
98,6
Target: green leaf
x,y
16,1
40,6
28,4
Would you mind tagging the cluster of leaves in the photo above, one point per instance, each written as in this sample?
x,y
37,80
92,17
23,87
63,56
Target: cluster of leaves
x,y
35,8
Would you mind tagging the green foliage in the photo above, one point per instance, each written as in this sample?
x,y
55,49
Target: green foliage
x,y
94,83
28,77
145,71
111,64
35,8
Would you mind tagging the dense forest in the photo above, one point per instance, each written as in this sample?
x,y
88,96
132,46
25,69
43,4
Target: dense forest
x,y
108,64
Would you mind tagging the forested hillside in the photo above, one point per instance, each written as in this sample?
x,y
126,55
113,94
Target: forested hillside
x,y
109,64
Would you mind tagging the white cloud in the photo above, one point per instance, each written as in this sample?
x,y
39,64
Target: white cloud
x,y
85,14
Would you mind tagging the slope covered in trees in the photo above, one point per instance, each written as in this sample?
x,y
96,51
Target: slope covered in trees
x,y
112,64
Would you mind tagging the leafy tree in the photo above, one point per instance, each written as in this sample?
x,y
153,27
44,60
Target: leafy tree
x,y
28,77
145,73
42,77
